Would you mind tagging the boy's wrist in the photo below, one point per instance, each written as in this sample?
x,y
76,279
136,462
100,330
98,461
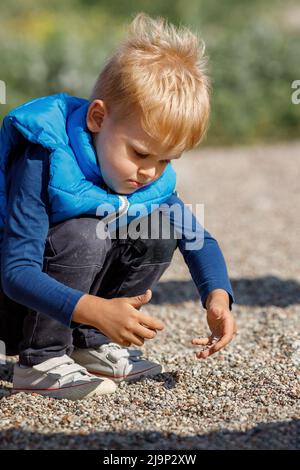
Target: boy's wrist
x,y
84,312
219,296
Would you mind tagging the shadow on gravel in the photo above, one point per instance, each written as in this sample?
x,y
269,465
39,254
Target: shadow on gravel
x,y
261,292
267,436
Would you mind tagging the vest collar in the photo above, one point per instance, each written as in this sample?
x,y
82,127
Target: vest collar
x,y
82,145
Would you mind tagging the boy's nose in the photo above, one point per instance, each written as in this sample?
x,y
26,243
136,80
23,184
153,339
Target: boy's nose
x,y
145,176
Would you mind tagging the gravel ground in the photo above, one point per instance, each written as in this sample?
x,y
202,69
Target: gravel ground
x,y
247,395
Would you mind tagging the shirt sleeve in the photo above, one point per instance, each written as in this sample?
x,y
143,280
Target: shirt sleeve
x,y
200,250
24,238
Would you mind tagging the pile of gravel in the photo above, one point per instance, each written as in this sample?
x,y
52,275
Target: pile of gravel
x,y
247,395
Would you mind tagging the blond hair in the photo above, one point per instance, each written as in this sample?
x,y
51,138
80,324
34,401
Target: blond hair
x,y
159,70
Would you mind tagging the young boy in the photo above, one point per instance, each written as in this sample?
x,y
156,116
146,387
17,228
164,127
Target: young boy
x,y
70,298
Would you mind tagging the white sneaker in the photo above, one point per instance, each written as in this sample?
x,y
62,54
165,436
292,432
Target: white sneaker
x,y
117,363
60,377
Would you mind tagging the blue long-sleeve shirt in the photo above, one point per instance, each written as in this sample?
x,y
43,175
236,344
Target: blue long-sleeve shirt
x,y
25,233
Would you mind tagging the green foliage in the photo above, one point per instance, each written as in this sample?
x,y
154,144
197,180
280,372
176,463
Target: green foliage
x,y
253,49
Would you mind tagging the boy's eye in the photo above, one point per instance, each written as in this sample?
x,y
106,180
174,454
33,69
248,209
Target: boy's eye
x,y
141,154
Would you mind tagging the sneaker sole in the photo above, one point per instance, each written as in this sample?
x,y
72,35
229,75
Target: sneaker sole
x,y
155,370
71,393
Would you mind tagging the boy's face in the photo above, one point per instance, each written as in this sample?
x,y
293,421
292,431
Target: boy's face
x,y
119,148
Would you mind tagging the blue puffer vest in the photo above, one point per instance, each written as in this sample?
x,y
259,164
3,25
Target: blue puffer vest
x,y
58,123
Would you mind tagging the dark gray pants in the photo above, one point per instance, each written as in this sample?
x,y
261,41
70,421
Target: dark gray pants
x,y
114,267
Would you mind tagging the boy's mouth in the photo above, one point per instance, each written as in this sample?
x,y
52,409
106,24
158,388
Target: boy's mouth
x,y
135,184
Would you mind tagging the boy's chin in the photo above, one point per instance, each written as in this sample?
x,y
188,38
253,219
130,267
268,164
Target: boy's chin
x,y
126,193
121,190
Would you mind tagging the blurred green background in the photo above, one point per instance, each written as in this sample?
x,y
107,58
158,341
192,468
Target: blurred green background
x,y
253,48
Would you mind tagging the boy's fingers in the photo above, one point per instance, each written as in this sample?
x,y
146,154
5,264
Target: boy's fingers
x,y
133,339
203,354
144,332
201,341
222,342
150,322
215,347
139,300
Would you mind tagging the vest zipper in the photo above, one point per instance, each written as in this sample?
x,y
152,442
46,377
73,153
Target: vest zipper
x,y
124,206
122,210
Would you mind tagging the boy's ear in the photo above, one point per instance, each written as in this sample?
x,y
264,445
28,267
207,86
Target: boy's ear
x,y
96,113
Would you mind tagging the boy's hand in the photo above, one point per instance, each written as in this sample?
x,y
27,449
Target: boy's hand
x,y
221,323
118,318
